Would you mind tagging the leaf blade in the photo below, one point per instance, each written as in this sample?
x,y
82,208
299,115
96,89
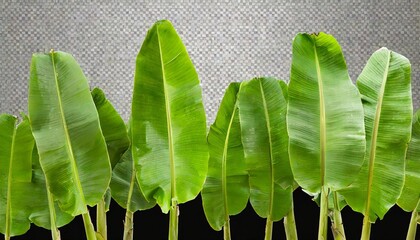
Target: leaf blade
x,y
262,111
411,193
15,174
125,189
329,150
72,144
112,126
226,189
386,93
168,118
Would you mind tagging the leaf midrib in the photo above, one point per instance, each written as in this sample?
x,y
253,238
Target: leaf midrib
x,y
132,183
131,189
133,171
224,163
268,125
67,136
168,121
322,124
9,184
374,138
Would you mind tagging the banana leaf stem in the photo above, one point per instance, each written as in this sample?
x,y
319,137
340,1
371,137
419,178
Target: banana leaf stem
x,y
173,220
323,215
226,230
366,228
89,229
412,229
101,219
55,233
268,229
128,225
129,215
290,225
337,223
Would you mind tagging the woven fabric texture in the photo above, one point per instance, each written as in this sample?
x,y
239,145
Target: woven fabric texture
x,y
228,40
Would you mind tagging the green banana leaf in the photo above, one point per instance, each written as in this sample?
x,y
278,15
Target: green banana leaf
x,y
325,116
16,144
168,120
124,186
386,94
262,112
126,191
112,126
410,195
66,127
226,190
117,142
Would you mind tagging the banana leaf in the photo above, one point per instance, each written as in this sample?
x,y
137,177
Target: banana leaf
x,y
117,142
37,209
168,122
386,94
124,186
16,145
409,199
65,124
410,195
262,112
325,119
125,190
226,190
112,126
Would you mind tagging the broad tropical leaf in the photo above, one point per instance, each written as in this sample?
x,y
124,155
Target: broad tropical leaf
x,y
410,195
124,186
16,144
409,199
226,190
262,112
112,125
67,132
126,191
325,116
117,142
386,94
169,124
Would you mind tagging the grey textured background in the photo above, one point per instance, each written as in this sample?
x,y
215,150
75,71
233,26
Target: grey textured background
x,y
228,40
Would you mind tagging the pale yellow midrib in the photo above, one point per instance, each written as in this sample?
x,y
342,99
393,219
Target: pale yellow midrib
x,y
9,185
224,160
168,123
322,127
132,182
268,125
375,136
67,137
